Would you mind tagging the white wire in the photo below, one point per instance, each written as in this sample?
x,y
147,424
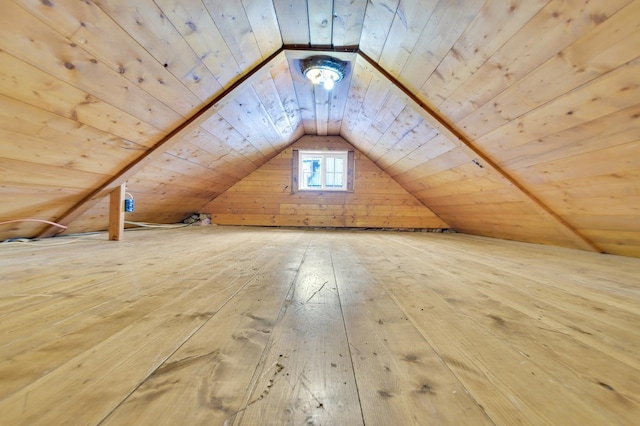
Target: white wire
x,y
157,225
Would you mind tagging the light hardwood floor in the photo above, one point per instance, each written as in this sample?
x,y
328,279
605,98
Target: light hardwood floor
x,y
256,326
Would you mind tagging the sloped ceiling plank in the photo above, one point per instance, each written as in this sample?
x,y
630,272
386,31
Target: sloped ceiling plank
x,y
397,133
445,25
338,98
617,128
602,50
24,84
433,156
168,141
46,49
96,33
542,211
293,19
282,78
392,107
321,101
493,26
375,28
269,97
244,115
408,23
193,22
264,25
320,22
555,27
232,21
148,26
217,125
206,149
355,108
419,135
304,96
348,16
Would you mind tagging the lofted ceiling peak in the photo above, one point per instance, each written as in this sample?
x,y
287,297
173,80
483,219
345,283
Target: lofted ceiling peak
x,y
485,112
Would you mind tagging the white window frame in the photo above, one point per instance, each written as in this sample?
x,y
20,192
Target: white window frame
x,y
344,155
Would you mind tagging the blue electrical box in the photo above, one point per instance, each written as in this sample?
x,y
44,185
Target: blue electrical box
x,y
128,205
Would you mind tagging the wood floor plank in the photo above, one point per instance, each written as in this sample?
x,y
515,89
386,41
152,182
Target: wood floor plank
x,y
247,325
401,379
440,298
205,381
83,317
113,368
306,375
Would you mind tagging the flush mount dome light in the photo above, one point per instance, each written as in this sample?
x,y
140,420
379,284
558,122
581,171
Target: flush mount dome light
x,y
323,70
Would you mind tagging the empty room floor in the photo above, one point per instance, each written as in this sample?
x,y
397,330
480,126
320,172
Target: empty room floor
x,y
257,326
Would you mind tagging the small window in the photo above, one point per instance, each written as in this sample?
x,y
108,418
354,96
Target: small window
x,y
323,170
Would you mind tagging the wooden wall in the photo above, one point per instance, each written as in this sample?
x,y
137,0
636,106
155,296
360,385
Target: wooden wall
x,y
264,197
547,90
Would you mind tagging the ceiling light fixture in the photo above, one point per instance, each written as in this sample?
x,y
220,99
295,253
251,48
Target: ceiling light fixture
x,y
323,70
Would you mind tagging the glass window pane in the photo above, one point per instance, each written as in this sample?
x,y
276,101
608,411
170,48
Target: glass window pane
x,y
330,180
330,164
311,172
313,175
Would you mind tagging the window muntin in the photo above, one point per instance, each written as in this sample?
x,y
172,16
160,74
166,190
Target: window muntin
x,y
322,171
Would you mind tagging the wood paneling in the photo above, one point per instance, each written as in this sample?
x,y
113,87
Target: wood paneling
x,y
545,90
207,325
265,198
430,162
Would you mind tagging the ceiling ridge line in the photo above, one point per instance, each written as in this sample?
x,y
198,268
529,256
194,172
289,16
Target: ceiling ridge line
x,y
156,150
590,245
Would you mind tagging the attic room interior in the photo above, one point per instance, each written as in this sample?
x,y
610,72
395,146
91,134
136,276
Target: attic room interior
x,y
407,212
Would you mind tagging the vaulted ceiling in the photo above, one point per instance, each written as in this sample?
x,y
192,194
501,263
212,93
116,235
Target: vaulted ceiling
x,y
516,120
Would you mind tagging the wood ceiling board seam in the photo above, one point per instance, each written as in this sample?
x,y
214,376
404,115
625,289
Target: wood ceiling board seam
x,y
233,23
419,136
95,32
270,98
264,25
480,41
553,28
28,120
234,132
378,19
411,18
348,17
283,81
608,94
293,21
574,67
338,99
146,23
25,83
459,139
402,128
443,30
320,22
241,114
158,149
358,88
189,19
321,102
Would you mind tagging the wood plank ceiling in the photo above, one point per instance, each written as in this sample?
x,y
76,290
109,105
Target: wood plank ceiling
x,y
517,120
